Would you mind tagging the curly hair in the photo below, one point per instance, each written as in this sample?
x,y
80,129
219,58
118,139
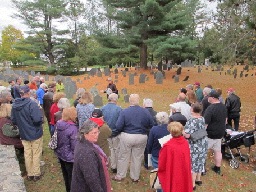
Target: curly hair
x,y
69,113
58,96
86,98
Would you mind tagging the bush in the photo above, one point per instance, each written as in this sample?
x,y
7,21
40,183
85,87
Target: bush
x,y
51,71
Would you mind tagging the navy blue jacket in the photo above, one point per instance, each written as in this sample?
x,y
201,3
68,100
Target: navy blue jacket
x,y
27,115
134,120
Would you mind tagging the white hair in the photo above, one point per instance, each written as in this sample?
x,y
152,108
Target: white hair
x,y
43,86
80,92
134,99
113,97
207,90
63,103
147,103
162,118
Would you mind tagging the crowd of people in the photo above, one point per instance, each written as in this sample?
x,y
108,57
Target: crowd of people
x,y
92,140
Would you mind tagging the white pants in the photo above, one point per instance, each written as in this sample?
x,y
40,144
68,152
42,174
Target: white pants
x,y
132,148
114,149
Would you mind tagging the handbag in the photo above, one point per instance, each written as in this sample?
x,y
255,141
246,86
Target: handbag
x,y
53,141
10,130
199,134
154,180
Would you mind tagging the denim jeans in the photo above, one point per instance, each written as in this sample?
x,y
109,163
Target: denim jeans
x,y
155,165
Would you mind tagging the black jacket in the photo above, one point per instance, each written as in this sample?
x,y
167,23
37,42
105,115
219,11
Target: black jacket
x,y
233,104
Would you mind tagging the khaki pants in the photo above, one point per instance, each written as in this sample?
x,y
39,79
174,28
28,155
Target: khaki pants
x,y
32,154
132,148
114,149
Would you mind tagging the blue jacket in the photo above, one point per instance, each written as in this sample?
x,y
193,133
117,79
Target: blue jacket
x,y
16,91
66,140
134,120
156,133
40,95
27,115
111,113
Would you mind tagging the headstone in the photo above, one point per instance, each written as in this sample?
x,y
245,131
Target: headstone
x,y
246,67
160,66
124,73
97,101
235,71
164,66
142,78
126,98
245,75
116,76
169,66
241,74
186,78
46,77
176,79
70,89
179,71
131,79
93,71
107,71
218,68
199,70
229,71
124,91
126,69
116,71
94,91
99,73
147,78
159,77
235,75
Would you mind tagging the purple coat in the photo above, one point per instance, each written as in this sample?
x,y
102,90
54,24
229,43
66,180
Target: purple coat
x,y
67,140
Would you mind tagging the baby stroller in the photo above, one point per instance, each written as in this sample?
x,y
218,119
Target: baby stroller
x,y
232,141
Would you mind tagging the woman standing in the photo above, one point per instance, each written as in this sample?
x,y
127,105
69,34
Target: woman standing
x,y
198,148
90,173
66,142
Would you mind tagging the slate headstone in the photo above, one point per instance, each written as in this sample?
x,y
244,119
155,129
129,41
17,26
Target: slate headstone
x,y
116,71
159,77
124,73
124,91
160,66
142,78
94,91
176,78
97,101
179,71
126,98
131,79
186,78
164,66
107,71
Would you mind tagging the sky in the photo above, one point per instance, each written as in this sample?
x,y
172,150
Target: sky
x,y
7,11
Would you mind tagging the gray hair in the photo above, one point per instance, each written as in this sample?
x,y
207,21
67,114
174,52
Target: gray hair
x,y
63,103
43,86
113,97
80,92
4,94
87,126
33,93
206,90
134,99
162,118
147,103
190,86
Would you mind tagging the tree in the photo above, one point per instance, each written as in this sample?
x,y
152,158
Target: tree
x,y
42,16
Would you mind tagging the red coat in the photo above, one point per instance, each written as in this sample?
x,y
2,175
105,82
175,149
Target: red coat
x,y
174,166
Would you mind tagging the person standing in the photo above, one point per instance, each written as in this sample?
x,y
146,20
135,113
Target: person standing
x,y
40,93
233,105
60,86
111,113
16,88
27,115
198,92
133,124
215,120
111,88
204,101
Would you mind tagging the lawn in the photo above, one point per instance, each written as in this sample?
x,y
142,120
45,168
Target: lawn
x,y
241,179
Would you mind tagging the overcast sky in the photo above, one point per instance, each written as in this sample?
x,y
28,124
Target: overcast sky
x,y
7,12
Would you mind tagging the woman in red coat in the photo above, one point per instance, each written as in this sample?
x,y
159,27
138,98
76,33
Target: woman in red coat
x,y
174,166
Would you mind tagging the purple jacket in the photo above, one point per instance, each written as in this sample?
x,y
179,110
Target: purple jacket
x,y
67,140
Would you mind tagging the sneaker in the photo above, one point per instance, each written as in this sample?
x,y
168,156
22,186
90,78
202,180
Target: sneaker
x,y
30,178
135,181
115,178
36,178
114,170
199,183
214,168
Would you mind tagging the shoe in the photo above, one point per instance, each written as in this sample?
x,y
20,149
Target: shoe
x,y
135,181
114,170
194,188
203,173
30,178
199,183
214,168
36,178
115,178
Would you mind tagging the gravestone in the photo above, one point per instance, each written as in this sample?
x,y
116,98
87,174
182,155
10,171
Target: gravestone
x,y
147,78
94,91
93,71
126,98
164,67
245,75
126,69
97,101
160,66
199,70
159,77
168,66
107,71
46,77
220,73
229,71
235,75
164,74
218,68
116,76
179,71
116,71
99,73
246,67
241,74
186,78
124,91
235,71
142,78
131,79
70,89
176,78
124,73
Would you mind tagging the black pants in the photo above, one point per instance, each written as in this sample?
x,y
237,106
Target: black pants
x,y
66,168
236,119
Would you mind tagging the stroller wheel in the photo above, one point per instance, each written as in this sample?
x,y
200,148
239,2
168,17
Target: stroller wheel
x,y
234,163
244,158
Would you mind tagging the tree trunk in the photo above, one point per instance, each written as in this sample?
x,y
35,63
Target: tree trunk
x,y
143,56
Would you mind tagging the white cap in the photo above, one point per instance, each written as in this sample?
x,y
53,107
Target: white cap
x,y
176,106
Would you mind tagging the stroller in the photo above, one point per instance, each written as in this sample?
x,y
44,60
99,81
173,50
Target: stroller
x,y
235,142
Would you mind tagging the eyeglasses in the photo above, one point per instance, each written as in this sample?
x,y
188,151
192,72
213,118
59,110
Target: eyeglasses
x,y
94,133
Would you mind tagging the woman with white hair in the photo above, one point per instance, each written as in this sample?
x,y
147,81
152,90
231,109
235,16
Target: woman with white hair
x,y
62,104
79,93
40,93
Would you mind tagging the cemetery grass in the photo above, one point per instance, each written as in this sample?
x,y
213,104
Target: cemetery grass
x,y
233,180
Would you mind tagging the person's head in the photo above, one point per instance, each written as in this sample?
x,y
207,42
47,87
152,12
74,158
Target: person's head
x,y
189,87
147,102
134,99
175,128
191,96
69,114
113,97
5,96
213,97
26,82
11,82
42,79
206,91
19,80
33,93
230,91
63,103
80,92
86,98
57,96
196,108
175,107
162,118
219,91
43,86
209,86
109,79
183,90
196,85
24,91
89,130
52,87
181,97
59,82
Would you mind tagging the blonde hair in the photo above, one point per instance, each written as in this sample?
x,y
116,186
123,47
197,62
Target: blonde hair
x,y
175,128
134,99
69,114
80,92
191,96
58,96
86,98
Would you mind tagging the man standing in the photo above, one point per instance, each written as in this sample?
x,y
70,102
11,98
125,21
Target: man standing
x,y
233,105
198,92
215,120
133,125
111,88
16,88
184,107
204,101
27,115
111,113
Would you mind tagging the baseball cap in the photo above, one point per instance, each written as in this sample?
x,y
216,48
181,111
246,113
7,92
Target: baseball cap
x,y
231,89
97,113
24,89
214,94
197,83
